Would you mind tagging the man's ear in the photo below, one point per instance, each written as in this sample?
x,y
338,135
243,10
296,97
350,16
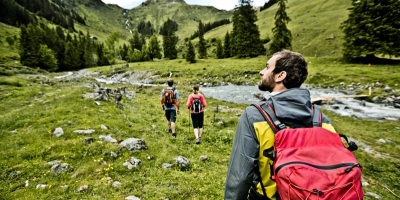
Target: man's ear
x,y
280,76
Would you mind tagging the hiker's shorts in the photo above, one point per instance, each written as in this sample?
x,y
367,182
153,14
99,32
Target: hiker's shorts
x,y
198,119
170,115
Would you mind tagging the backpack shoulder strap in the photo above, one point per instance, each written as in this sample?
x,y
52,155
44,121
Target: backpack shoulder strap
x,y
317,116
269,115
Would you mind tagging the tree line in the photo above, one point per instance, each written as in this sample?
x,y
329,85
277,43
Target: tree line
x,y
54,50
51,49
18,12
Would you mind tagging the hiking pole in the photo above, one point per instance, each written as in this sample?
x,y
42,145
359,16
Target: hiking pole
x,y
189,122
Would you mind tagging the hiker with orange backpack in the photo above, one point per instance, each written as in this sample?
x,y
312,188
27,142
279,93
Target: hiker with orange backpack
x,y
196,104
285,148
170,105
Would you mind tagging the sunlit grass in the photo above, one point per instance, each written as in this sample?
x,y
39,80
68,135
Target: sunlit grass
x,y
31,110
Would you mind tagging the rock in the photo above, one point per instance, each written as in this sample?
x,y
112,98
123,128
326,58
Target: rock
x,y
373,195
132,162
107,138
116,184
89,131
39,186
131,198
83,188
167,165
182,161
58,132
58,168
203,158
134,144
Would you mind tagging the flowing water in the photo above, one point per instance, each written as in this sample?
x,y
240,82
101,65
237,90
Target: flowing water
x,y
342,106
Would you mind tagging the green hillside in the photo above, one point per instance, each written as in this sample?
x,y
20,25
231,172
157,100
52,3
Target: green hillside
x,y
315,26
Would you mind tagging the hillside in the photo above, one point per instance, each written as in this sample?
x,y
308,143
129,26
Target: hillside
x,y
314,25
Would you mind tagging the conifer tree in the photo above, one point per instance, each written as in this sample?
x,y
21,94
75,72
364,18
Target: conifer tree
x,y
372,28
227,46
202,43
245,34
169,41
29,45
220,50
282,37
135,41
190,53
154,49
47,59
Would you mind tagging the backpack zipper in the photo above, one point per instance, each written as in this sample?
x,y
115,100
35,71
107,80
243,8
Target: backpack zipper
x,y
349,166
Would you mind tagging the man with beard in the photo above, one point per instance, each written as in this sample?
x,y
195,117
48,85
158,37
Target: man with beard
x,y
249,172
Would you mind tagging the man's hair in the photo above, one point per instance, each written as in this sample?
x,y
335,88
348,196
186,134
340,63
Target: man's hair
x,y
294,65
196,87
170,82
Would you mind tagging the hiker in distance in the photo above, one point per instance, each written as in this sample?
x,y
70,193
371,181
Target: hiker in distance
x,y
196,104
170,105
282,76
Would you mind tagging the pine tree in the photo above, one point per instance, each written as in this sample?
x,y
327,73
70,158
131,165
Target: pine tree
x,y
169,41
154,49
220,50
245,35
190,54
227,46
29,45
135,41
372,28
282,37
47,59
202,43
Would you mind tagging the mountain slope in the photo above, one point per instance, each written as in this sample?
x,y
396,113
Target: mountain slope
x,y
315,26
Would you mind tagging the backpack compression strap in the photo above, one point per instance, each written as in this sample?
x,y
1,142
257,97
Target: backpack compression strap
x,y
269,115
276,125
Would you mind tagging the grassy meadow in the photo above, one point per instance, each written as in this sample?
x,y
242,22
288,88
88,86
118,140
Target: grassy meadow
x,y
31,109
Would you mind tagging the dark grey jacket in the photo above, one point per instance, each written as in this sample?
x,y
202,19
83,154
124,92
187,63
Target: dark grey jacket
x,y
293,108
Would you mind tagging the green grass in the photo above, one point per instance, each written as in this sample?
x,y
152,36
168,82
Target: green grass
x,y
9,52
31,110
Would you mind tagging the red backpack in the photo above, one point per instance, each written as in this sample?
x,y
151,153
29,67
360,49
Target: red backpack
x,y
168,99
312,163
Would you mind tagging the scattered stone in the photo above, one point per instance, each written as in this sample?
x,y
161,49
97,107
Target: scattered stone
x,y
64,187
116,184
182,161
107,138
382,140
104,127
203,158
134,144
58,132
167,165
365,184
113,154
373,195
40,186
132,162
83,188
58,168
89,131
26,183
54,162
132,198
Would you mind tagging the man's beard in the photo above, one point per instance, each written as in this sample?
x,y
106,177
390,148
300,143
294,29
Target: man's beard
x,y
267,85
